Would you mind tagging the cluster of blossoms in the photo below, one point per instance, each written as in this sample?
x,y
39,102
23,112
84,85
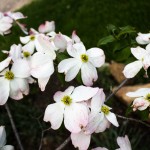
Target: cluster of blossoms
x,y
82,108
83,111
7,19
142,95
3,145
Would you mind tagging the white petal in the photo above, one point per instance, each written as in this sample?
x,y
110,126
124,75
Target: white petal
x,y
93,123
21,68
138,93
29,47
7,147
139,52
41,65
60,42
75,38
59,95
80,140
124,143
75,117
15,51
132,69
143,38
54,114
4,90
25,39
42,83
97,101
112,118
80,48
72,72
99,148
66,64
104,124
88,74
18,87
4,63
82,93
47,27
96,56
45,46
2,136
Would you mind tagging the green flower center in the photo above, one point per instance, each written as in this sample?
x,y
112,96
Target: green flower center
x,y
67,100
105,110
32,37
9,75
84,58
148,97
26,54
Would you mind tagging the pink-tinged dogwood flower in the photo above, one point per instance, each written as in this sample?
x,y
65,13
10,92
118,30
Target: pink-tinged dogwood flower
x,y
123,142
3,145
68,106
41,62
15,15
103,111
47,27
5,24
83,138
13,82
87,61
142,100
143,38
143,57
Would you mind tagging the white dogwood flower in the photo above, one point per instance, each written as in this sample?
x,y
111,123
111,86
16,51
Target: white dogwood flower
x,y
142,99
143,38
47,27
143,56
87,61
14,82
100,110
68,106
3,145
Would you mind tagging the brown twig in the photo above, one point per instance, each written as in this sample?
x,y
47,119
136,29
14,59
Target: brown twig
x,y
14,127
64,143
132,119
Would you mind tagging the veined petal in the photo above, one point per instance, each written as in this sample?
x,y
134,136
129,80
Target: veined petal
x,y
97,101
138,93
43,82
132,69
54,114
59,95
103,125
21,68
88,74
43,45
41,65
96,56
2,136
81,140
124,143
75,117
66,64
83,93
4,63
112,118
4,90
139,52
72,72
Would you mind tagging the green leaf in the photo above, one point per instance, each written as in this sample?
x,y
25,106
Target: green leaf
x,y
129,110
144,114
123,54
106,40
111,28
61,56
